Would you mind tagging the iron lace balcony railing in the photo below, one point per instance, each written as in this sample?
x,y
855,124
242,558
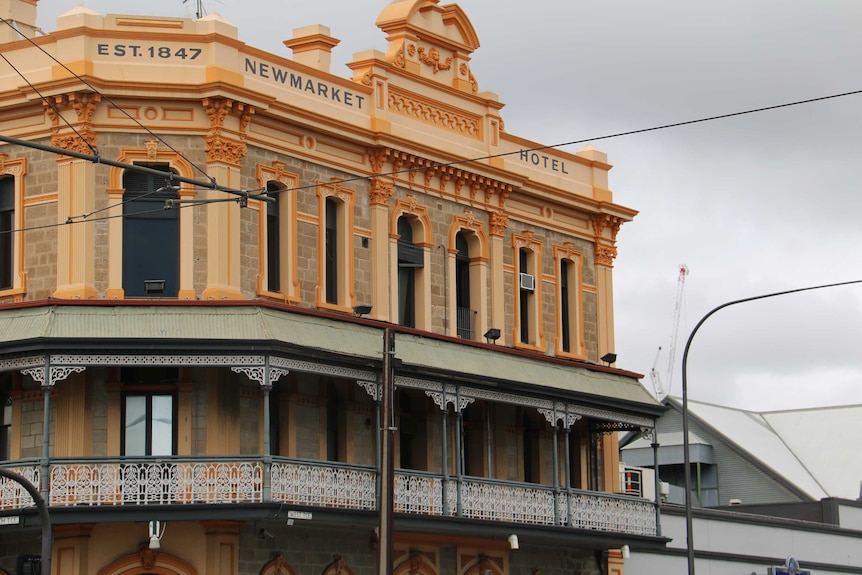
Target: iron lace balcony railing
x,y
227,480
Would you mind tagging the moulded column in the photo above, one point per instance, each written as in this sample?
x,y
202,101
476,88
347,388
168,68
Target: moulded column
x,y
380,263
76,182
222,551
223,237
605,309
498,309
71,547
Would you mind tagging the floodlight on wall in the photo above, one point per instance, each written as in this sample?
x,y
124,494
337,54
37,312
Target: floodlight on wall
x,y
157,531
263,534
361,310
514,544
609,358
492,334
626,551
153,287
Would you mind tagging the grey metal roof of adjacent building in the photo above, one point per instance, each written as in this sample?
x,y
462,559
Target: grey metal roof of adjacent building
x,y
258,322
805,446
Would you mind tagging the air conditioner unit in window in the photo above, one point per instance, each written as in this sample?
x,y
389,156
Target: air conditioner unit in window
x,y
528,282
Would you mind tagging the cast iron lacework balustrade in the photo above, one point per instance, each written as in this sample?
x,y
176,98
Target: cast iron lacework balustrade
x,y
12,494
496,501
155,483
419,494
325,484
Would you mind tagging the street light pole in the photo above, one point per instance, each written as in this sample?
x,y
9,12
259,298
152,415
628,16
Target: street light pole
x,y
47,534
685,442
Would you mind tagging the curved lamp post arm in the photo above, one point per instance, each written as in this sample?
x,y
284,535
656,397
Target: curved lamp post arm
x,y
685,442
47,534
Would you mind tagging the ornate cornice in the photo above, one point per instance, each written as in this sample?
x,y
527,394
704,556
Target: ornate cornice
x,y
220,148
83,139
605,250
412,106
497,223
605,255
380,192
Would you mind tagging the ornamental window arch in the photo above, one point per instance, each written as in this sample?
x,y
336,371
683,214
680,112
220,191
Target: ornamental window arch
x,y
178,248
467,278
278,276
410,235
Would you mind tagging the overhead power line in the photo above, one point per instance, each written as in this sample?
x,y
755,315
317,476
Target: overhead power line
x,y
587,140
269,195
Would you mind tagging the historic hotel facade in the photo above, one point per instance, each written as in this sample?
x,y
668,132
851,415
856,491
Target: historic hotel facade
x,y
220,264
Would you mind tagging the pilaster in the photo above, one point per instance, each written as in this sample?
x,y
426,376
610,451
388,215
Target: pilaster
x,y
225,149
223,239
222,547
74,419
380,255
498,223
71,549
76,182
605,228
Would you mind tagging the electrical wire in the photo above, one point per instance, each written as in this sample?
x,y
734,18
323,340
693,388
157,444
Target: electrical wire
x,y
582,141
104,97
434,166
272,193
49,103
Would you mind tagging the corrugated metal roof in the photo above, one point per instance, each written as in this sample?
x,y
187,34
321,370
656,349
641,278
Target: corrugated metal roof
x,y
250,323
800,445
483,363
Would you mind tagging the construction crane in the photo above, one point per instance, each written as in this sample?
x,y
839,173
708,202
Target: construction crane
x,y
654,374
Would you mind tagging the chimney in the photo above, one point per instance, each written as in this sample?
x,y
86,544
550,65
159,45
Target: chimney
x,y
22,15
312,46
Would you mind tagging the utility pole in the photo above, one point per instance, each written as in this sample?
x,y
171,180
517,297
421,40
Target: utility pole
x,y
387,460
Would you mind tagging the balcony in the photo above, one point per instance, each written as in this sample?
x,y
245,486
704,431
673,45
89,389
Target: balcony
x,y
133,482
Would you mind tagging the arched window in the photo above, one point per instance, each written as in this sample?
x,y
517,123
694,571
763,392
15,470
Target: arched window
x,y
410,259
151,235
569,320
463,303
273,238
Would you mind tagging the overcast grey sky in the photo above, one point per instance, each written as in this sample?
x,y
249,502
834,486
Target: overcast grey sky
x,y
752,204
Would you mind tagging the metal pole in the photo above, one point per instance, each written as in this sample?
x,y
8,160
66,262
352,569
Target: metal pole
x,y
47,387
387,465
47,534
267,434
685,442
655,447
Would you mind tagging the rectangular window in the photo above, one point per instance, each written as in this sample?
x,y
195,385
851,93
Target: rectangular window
x,y
7,235
566,343
273,240
149,411
149,424
524,297
331,251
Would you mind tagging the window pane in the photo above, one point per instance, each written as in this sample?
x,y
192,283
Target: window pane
x,y
136,429
163,425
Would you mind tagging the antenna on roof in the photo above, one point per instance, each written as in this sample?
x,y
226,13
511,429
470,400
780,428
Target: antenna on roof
x,y
200,10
